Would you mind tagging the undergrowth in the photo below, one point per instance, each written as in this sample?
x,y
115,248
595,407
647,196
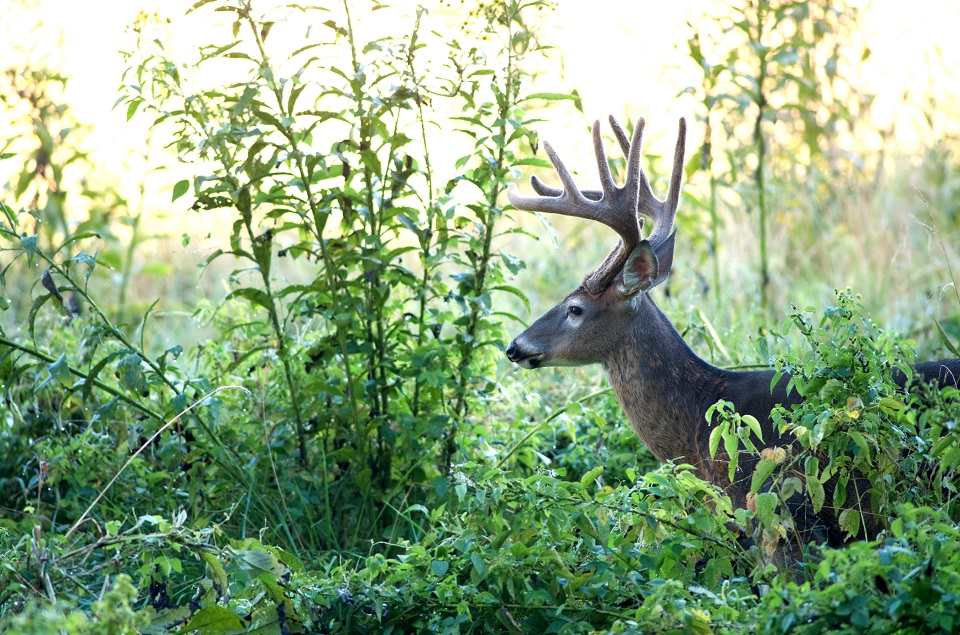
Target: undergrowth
x,y
346,454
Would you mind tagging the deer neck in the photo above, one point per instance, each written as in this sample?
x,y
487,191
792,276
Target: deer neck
x,y
663,387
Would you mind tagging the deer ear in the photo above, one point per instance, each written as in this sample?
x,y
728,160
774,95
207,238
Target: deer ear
x,y
641,270
665,258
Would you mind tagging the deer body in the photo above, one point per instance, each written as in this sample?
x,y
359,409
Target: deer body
x,y
664,388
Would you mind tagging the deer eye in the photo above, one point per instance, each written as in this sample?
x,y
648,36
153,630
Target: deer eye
x,y
575,310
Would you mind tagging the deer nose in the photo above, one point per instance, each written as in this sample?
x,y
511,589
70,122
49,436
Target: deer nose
x,y
511,351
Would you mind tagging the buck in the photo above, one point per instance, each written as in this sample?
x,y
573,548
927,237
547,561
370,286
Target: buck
x,y
664,388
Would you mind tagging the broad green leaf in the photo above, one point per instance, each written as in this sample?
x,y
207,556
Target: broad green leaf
x,y
180,189
261,560
217,573
766,507
850,522
891,404
861,443
815,490
753,424
477,563
215,620
716,435
761,473
591,476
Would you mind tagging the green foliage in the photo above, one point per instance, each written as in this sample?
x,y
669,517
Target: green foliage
x,y
734,430
908,583
332,164
858,432
771,69
112,615
49,142
377,473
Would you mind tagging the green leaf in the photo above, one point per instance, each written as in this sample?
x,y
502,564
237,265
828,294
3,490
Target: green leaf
x,y
761,473
166,620
861,443
716,435
732,446
477,563
850,522
131,371
214,620
551,97
255,296
60,369
893,404
533,161
132,107
591,476
217,573
259,559
815,490
439,567
197,5
766,507
180,189
753,424
946,339
811,467
29,244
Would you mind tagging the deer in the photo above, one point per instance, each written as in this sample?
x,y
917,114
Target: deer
x,y
664,388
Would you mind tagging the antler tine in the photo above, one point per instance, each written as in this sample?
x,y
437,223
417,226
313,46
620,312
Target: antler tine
x,y
594,195
663,212
613,206
621,135
543,189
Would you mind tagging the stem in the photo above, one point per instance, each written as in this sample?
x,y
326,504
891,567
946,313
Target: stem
x,y
110,390
761,151
488,222
714,218
117,333
292,385
134,232
319,224
429,232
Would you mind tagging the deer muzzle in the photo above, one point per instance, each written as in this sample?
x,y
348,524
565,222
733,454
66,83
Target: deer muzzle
x,y
523,356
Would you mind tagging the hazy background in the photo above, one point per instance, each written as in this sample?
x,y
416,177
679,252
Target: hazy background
x,y
624,58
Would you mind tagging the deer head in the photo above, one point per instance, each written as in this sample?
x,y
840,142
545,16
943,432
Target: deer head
x,y
581,329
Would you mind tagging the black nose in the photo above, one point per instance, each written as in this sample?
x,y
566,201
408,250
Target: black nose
x,y
511,351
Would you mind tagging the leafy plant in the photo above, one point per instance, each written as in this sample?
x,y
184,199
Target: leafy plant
x,y
395,364
773,67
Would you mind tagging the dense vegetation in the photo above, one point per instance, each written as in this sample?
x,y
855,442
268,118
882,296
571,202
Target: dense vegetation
x,y
336,446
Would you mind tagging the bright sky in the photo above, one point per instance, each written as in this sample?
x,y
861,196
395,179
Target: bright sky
x,y
622,55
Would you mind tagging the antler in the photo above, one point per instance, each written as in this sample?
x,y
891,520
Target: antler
x,y
615,207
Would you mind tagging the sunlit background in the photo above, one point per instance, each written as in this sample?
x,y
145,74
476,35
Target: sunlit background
x,y
619,54
624,58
